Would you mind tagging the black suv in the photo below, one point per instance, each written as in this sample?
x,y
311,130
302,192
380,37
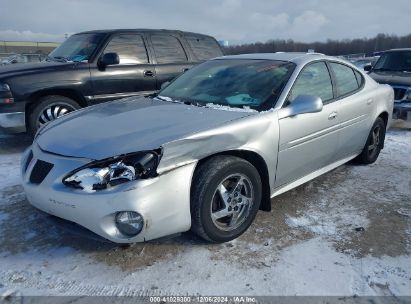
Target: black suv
x,y
394,68
93,67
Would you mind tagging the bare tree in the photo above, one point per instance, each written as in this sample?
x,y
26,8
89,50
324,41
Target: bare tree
x,y
367,46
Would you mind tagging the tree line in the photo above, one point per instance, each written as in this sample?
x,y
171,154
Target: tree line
x,y
367,46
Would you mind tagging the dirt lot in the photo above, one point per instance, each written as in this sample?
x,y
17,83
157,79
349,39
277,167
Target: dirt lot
x,y
345,233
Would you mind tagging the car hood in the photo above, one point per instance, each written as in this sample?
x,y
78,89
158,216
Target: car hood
x,y
392,78
26,68
128,125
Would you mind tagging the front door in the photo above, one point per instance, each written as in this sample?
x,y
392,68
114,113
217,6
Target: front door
x,y
134,75
309,141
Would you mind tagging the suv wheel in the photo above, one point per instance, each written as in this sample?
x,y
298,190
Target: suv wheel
x,y
48,109
225,198
374,144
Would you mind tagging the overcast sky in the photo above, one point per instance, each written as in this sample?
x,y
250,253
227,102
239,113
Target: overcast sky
x,y
237,21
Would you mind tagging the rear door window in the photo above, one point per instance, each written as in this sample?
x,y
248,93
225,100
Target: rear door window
x,y
204,48
129,47
168,49
346,80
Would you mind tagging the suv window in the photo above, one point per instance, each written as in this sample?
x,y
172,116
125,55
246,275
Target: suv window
x,y
168,49
314,80
394,61
129,47
204,47
346,81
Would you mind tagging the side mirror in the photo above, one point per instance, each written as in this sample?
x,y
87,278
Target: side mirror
x,y
368,68
164,85
302,104
108,59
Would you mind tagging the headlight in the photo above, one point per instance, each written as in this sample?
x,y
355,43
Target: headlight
x,y
104,174
4,87
5,93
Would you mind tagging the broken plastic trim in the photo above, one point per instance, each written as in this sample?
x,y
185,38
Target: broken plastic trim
x,y
109,172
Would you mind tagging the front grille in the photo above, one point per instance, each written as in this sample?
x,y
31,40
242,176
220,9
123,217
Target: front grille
x,y
40,171
29,158
399,93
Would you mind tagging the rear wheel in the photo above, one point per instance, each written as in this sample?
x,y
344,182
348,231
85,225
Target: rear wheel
x,y
374,144
225,198
48,109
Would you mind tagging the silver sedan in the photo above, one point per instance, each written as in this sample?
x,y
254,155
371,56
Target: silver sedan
x,y
210,149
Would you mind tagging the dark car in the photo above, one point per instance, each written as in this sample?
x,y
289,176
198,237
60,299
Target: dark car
x,y
394,68
93,67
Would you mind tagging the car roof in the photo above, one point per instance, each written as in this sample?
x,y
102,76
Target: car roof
x,y
113,31
295,57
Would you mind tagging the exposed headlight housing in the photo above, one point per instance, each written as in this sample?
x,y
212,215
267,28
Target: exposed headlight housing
x,y
107,173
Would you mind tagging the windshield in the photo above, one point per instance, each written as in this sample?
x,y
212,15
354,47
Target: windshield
x,y
232,82
77,48
394,61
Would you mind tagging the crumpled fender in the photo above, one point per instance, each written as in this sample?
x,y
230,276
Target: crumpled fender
x,y
258,133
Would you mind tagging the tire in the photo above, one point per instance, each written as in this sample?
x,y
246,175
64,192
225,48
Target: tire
x,y
374,144
214,179
58,106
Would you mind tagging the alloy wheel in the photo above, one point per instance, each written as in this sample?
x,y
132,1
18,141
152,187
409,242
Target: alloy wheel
x,y
232,202
375,140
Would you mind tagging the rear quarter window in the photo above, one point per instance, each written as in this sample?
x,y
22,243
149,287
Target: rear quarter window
x,y
346,80
204,48
360,78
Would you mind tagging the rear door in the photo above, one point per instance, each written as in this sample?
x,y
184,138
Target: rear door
x,y
354,108
134,75
171,59
309,141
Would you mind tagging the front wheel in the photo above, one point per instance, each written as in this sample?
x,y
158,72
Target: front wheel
x,y
48,109
225,198
374,144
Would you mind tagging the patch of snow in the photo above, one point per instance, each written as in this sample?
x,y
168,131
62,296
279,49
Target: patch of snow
x,y
309,268
164,98
9,170
231,109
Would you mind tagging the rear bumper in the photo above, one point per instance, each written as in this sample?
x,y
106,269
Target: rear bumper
x,y
13,122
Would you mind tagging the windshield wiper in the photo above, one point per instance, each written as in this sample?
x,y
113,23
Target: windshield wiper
x,y
192,102
61,58
57,58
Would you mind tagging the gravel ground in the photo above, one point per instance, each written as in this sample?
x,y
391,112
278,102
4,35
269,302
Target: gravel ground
x,y
345,233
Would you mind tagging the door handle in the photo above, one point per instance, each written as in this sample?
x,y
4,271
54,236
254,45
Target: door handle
x,y
148,73
332,115
370,101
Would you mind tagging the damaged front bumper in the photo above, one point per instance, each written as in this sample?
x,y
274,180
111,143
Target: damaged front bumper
x,y
163,201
